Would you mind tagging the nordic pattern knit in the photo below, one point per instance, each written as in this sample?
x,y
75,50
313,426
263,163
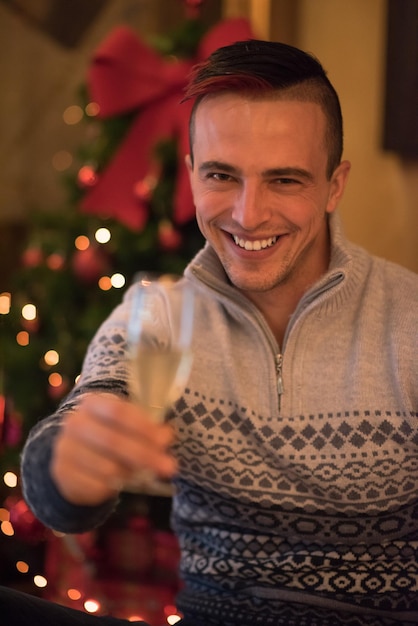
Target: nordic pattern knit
x,y
297,508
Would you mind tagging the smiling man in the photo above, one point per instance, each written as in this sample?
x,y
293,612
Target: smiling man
x,y
262,192
294,446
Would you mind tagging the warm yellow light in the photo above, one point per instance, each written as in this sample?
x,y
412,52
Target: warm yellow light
x,y
4,515
173,619
55,379
92,109
62,160
102,235
10,479
7,529
5,301
22,338
82,242
73,114
22,567
29,312
91,606
40,581
135,618
105,283
51,357
74,594
117,280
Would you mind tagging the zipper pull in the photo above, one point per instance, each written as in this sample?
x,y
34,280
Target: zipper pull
x,y
279,371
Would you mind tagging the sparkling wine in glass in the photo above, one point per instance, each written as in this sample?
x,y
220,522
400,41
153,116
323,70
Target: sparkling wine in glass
x,y
160,332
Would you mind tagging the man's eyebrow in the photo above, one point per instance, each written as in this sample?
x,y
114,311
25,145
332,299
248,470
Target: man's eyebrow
x,y
288,172
218,165
274,172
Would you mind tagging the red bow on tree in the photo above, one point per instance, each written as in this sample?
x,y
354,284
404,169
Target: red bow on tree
x,y
127,75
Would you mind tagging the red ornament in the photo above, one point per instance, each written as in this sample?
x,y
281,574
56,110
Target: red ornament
x,y
90,264
86,177
32,257
25,524
193,8
169,238
10,423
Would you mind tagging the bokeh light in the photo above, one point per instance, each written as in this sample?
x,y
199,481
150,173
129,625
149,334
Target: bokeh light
x,y
73,114
29,312
102,235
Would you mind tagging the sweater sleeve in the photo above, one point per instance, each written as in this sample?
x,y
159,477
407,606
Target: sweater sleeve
x,y
40,491
104,370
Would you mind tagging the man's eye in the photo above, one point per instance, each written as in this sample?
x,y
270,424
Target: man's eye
x,y
219,176
286,181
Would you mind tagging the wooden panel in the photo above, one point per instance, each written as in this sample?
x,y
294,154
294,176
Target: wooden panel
x,y
400,131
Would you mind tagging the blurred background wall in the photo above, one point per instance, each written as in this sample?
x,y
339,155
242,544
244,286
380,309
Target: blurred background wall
x,y
45,50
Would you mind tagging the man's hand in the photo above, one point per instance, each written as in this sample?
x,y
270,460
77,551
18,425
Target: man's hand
x,y
102,443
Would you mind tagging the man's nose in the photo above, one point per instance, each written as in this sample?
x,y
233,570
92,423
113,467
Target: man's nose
x,y
250,208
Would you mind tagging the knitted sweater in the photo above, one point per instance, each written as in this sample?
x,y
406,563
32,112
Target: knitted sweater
x,y
297,496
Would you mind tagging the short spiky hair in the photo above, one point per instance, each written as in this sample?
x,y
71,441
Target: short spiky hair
x,y
261,69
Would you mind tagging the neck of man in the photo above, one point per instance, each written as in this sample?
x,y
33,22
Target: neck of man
x,y
278,304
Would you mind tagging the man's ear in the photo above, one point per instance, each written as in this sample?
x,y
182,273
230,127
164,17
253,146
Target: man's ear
x,y
188,162
338,182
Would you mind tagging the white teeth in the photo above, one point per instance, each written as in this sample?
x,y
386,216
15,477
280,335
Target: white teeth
x,y
259,244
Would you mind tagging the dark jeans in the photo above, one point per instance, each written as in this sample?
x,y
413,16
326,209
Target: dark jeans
x,y
21,609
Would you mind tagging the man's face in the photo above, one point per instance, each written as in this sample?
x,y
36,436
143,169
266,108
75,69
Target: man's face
x,y
260,188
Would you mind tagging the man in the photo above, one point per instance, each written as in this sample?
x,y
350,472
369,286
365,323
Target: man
x,y
293,449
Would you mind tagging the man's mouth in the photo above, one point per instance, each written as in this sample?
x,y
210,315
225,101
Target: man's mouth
x,y
257,244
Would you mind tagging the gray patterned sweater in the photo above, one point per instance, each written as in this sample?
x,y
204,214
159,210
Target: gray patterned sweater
x,y
297,497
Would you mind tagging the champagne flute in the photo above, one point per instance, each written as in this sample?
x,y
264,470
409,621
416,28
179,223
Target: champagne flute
x,y
160,330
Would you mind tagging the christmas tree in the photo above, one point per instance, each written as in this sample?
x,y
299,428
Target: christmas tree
x,y
129,209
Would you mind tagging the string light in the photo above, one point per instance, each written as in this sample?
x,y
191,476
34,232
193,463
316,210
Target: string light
x,y
29,312
7,529
51,357
173,619
105,283
73,114
40,581
55,379
74,594
91,606
5,302
22,338
92,109
62,160
4,515
117,280
10,479
82,242
102,235
22,567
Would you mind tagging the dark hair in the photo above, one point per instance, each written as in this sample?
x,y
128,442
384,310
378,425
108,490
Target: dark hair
x,y
257,68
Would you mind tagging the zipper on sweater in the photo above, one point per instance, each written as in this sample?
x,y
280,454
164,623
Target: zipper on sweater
x,y
279,372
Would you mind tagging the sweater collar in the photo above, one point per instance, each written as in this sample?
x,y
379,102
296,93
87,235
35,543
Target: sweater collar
x,y
346,268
